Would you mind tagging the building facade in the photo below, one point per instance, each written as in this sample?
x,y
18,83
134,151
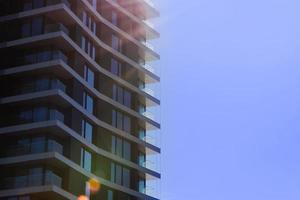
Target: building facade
x,y
75,99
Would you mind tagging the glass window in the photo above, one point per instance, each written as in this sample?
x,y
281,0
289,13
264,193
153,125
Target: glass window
x,y
119,147
86,160
27,86
37,26
83,42
115,43
29,58
55,146
93,55
127,124
119,120
42,84
38,145
127,98
89,24
114,18
114,118
113,144
88,48
115,67
87,45
52,178
118,174
142,134
126,150
110,195
43,56
94,27
142,186
126,177
142,159
56,115
114,92
40,114
24,145
20,181
120,95
112,172
35,177
26,28
88,102
89,75
93,3
87,131
26,115
57,84
84,17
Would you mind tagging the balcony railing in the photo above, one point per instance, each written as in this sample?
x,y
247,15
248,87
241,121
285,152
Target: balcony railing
x,y
40,84
148,91
150,3
56,115
147,44
148,115
148,23
47,178
34,147
148,67
49,28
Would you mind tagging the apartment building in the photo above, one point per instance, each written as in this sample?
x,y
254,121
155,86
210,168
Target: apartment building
x,y
75,95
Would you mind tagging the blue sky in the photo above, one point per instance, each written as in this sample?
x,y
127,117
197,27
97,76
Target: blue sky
x,y
230,95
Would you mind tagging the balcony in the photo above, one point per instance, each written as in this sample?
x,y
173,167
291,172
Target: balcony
x,y
143,110
34,147
49,28
148,67
148,45
149,187
35,85
148,115
148,91
148,23
47,178
149,3
38,114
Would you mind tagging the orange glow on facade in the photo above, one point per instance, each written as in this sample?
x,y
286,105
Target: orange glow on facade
x,y
94,185
82,197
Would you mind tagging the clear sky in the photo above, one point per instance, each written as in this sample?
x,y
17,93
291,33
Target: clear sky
x,y
230,99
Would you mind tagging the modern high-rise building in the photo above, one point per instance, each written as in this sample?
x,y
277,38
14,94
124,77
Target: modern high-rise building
x,y
77,99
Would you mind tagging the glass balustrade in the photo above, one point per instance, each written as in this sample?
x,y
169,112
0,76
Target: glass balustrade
x,y
149,187
49,28
149,45
148,23
150,136
28,147
148,67
47,178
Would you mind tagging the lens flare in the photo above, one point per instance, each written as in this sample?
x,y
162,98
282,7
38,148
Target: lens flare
x,y
94,185
82,197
